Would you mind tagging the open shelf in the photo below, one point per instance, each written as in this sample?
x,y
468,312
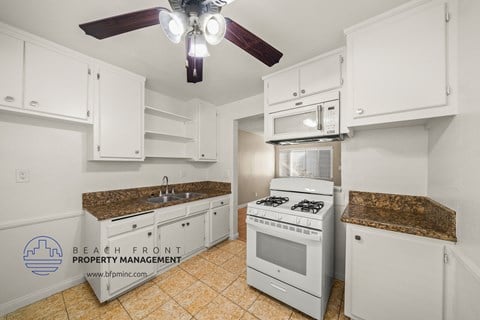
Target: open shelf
x,y
166,114
168,136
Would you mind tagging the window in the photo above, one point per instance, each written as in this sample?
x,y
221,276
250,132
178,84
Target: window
x,y
311,162
320,161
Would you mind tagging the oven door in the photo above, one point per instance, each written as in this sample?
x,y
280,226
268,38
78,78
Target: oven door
x,y
286,256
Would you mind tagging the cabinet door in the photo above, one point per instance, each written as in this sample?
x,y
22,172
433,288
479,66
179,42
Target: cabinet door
x,y
194,233
321,75
282,87
11,64
55,83
120,115
207,132
130,244
400,64
172,241
220,223
395,278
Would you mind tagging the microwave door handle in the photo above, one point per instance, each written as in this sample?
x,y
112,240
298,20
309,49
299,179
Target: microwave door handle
x,y
319,117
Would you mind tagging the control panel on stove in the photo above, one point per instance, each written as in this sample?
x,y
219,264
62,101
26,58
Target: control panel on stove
x,y
287,218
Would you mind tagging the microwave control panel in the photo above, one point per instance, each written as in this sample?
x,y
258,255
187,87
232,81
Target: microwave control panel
x,y
331,117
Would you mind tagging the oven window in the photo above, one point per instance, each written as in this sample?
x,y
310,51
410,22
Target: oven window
x,y
284,253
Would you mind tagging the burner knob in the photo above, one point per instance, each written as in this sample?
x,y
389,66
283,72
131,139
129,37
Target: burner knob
x,y
254,212
309,223
264,213
298,220
280,217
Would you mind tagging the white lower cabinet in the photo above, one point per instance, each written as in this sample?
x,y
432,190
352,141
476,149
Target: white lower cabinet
x,y
133,244
176,231
220,223
395,276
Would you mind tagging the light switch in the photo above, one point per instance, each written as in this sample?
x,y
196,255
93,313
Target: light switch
x,y
22,175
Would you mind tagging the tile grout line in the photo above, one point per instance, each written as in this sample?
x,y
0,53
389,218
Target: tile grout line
x,y
65,305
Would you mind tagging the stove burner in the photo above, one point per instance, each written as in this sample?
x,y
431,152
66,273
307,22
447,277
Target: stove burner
x,y
309,206
273,201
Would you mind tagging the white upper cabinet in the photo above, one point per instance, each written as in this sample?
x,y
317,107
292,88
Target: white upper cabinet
x,y
207,132
282,87
56,83
11,64
118,126
399,65
317,75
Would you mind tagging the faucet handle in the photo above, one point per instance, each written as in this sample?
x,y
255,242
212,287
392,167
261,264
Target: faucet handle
x,y
173,191
160,193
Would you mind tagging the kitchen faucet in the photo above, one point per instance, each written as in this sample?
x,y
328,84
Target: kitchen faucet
x,y
164,181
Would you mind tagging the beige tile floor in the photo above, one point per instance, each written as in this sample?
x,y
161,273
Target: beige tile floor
x,y
211,285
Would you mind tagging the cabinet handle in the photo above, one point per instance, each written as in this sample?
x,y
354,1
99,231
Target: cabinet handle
x,y
360,111
183,224
149,234
303,91
188,223
134,226
295,94
215,213
34,103
9,99
358,238
137,151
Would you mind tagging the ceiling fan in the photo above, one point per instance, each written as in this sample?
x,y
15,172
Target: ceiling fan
x,y
198,22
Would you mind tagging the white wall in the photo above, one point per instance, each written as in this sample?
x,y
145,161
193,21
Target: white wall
x,y
227,142
454,158
54,153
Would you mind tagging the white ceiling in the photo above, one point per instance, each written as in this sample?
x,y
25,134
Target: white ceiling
x,y
300,29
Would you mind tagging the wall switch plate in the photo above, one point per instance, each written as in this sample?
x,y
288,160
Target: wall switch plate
x,y
22,176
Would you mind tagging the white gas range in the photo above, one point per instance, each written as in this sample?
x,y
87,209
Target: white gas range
x,y
290,243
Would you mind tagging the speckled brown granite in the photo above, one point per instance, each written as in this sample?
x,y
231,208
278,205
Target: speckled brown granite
x,y
415,215
116,203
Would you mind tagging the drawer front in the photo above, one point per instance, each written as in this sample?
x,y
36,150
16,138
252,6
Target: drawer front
x,y
121,225
221,202
197,207
294,297
171,213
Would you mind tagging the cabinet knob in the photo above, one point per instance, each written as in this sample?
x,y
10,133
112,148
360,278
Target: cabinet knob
x,y
295,94
215,213
149,234
357,237
221,202
188,223
303,91
183,224
137,151
9,99
134,226
360,111
34,103
203,156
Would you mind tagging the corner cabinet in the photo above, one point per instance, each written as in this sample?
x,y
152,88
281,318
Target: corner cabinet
x,y
206,133
390,275
118,126
401,64
320,74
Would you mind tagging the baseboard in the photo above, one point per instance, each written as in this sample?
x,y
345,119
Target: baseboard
x,y
30,298
234,236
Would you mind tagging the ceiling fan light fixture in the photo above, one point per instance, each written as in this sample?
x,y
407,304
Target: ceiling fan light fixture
x,y
173,24
214,27
197,46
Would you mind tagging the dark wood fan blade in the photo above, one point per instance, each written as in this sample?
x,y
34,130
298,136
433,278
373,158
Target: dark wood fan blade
x,y
252,44
113,26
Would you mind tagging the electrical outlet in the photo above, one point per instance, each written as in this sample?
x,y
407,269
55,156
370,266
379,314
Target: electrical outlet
x,y
256,194
22,175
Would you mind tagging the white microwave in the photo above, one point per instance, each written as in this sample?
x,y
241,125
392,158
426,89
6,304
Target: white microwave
x,y
315,121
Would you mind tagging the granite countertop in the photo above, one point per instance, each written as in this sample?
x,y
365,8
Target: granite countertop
x,y
415,215
116,203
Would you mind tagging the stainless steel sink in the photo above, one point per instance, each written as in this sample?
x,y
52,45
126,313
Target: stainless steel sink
x,y
163,199
188,195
